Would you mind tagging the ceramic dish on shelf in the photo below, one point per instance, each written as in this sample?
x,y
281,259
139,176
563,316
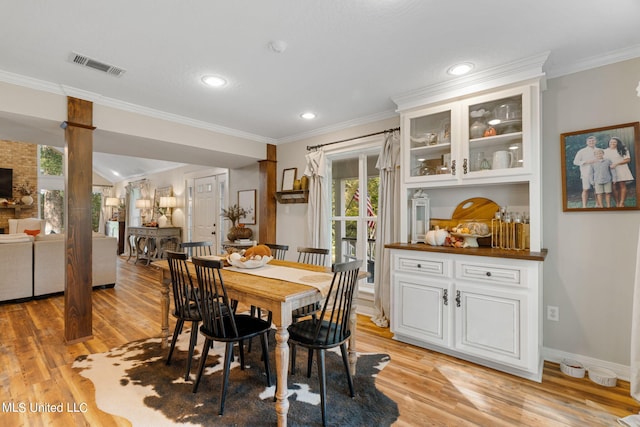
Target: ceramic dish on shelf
x,y
250,263
470,240
508,126
416,140
425,139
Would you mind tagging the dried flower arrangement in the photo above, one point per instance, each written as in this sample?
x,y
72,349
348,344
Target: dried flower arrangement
x,y
234,213
24,189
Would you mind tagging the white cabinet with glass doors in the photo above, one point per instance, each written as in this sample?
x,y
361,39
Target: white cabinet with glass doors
x,y
482,305
486,137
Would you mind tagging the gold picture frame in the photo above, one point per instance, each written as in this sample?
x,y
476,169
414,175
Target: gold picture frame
x,y
288,177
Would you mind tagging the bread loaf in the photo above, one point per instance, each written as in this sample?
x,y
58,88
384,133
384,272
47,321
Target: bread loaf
x,y
261,250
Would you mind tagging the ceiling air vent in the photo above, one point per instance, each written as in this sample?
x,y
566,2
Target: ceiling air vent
x,y
95,64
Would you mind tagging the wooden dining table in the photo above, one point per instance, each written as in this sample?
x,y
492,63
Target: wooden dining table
x,y
279,296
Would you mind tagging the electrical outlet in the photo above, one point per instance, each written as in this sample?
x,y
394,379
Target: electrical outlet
x,y
553,313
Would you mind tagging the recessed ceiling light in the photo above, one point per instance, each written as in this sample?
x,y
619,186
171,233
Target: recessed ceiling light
x,y
214,81
460,69
308,115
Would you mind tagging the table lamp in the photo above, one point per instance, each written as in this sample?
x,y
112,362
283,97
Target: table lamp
x,y
112,202
144,205
168,203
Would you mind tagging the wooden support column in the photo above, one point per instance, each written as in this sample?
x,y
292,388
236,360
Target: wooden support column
x,y
78,251
267,206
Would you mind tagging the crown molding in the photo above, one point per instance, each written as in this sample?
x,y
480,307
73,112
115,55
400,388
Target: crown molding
x,y
339,126
619,55
174,118
29,82
99,99
512,72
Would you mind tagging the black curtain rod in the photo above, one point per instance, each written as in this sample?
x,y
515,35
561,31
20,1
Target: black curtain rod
x,y
314,147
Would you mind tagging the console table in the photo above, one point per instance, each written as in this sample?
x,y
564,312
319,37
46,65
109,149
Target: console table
x,y
226,245
150,243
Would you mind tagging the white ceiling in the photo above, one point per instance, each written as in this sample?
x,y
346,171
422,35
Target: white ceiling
x,y
344,60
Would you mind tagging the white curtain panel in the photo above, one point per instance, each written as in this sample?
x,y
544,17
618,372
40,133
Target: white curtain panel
x,y
106,192
143,192
388,225
635,332
318,222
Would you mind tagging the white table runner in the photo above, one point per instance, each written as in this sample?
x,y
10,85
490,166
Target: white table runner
x,y
317,279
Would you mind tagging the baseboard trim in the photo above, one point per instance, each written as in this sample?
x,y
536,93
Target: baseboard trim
x,y
551,355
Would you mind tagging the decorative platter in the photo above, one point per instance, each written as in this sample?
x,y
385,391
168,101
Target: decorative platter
x,y
250,263
470,240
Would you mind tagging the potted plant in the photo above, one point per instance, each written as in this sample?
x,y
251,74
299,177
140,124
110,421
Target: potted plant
x,y
239,231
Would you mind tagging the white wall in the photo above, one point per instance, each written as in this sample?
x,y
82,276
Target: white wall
x,y
589,271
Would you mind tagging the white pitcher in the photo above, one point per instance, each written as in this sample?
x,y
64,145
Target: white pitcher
x,y
502,160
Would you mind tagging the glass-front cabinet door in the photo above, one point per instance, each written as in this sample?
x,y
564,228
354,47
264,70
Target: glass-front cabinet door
x,y
496,134
431,144
485,138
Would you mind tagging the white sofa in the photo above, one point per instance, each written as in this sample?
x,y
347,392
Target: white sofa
x,y
22,224
32,267
16,266
49,262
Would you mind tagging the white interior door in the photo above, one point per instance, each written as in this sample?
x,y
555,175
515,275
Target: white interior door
x,y
206,211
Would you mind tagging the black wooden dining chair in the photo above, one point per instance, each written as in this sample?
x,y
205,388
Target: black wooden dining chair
x,y
331,329
277,251
185,301
223,325
316,256
196,248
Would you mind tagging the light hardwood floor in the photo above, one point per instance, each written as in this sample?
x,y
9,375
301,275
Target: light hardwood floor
x,y
429,388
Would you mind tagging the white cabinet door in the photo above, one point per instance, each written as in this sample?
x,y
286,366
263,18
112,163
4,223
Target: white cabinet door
x,y
422,308
496,134
491,323
430,145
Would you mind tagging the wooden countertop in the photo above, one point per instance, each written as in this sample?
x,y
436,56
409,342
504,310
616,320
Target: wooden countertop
x,y
481,251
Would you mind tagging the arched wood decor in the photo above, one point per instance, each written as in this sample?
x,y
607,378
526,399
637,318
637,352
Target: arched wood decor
x,y
78,252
